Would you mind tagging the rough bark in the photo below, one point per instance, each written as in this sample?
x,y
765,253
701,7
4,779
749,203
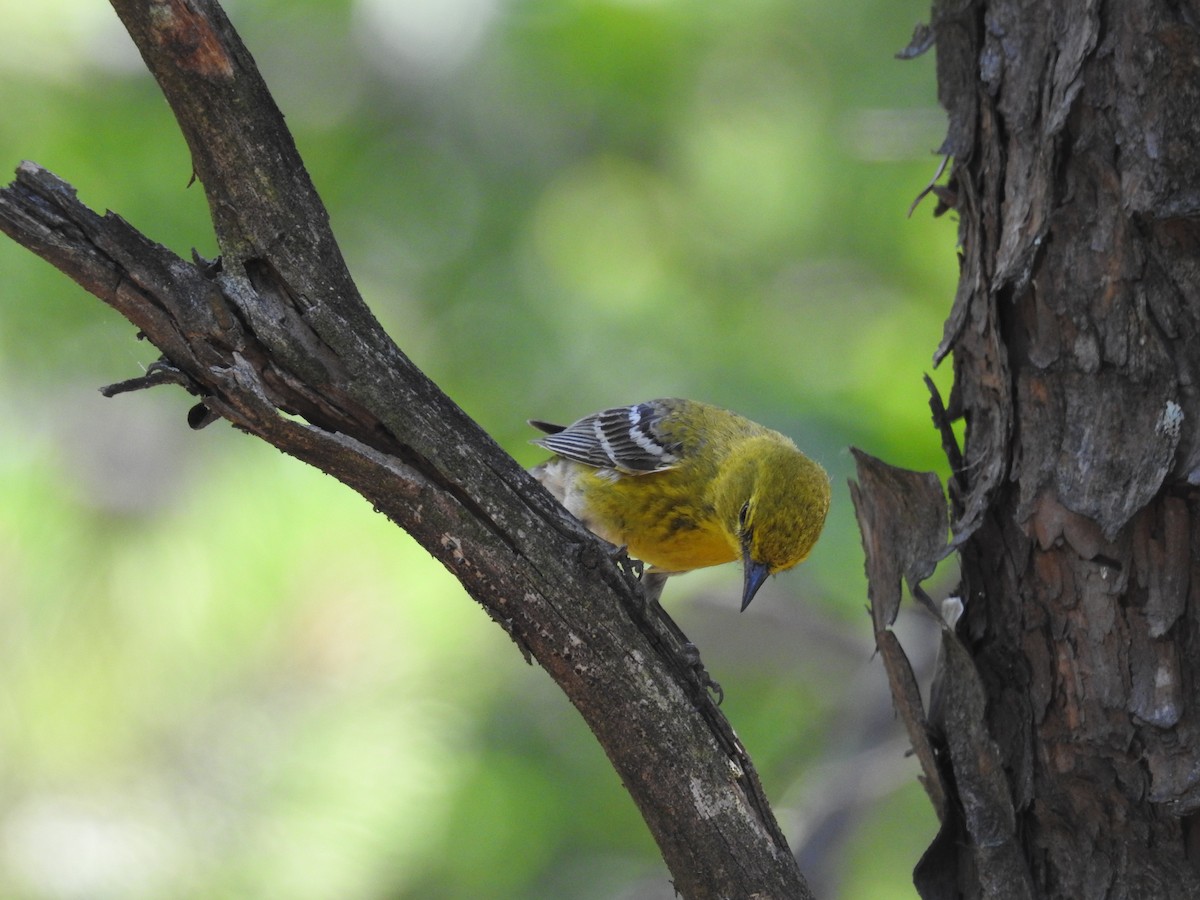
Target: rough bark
x,y
275,338
1064,731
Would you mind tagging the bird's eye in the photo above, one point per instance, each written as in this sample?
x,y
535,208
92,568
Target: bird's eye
x,y
744,516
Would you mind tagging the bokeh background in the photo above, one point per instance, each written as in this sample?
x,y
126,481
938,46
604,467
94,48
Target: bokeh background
x,y
222,675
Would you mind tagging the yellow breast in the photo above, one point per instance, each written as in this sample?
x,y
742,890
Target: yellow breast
x,y
658,517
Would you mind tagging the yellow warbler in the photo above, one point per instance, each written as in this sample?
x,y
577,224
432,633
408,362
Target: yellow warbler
x,y
682,485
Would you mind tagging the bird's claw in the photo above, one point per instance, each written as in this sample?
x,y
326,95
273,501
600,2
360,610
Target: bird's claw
x,y
689,653
652,583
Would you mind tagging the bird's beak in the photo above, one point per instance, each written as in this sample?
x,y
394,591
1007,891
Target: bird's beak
x,y
756,573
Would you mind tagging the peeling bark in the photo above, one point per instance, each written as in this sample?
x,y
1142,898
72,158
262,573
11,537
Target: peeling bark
x,y
1074,129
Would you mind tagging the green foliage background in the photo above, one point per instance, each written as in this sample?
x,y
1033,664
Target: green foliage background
x,y
222,676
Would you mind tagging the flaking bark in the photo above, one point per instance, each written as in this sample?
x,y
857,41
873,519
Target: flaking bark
x,y
1065,723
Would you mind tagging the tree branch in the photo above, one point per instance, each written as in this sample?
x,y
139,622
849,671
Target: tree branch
x,y
276,339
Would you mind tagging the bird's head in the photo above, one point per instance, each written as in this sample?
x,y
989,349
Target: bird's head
x,y
772,501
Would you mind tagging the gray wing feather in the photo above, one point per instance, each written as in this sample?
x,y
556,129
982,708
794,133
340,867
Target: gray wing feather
x,y
625,438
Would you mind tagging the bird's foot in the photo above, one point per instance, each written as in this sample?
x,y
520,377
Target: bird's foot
x,y
684,651
689,653
651,583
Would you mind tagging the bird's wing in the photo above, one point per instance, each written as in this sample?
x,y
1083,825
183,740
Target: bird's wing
x,y
628,439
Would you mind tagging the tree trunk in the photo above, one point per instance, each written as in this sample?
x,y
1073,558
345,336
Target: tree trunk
x,y
1065,725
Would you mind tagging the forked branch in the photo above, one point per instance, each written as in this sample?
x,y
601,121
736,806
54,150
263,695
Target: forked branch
x,y
275,338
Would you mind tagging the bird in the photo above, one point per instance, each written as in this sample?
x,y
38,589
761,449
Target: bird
x,y
682,485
